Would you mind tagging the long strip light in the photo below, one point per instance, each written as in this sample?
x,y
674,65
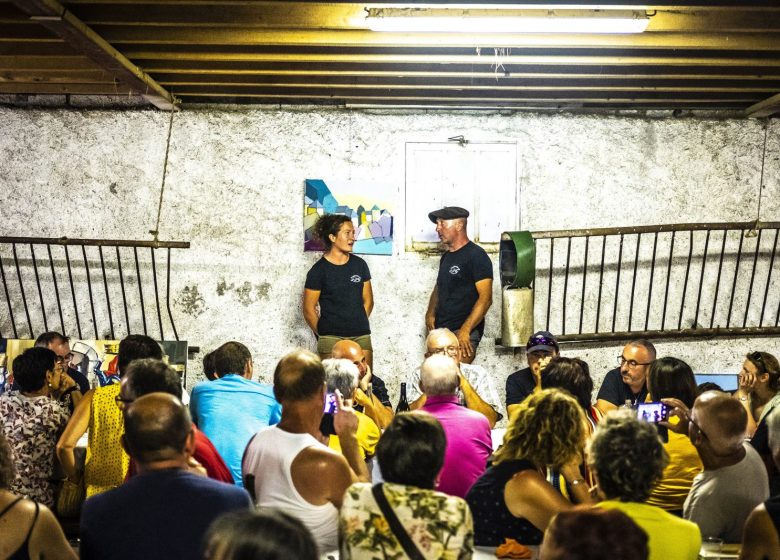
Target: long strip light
x,y
448,20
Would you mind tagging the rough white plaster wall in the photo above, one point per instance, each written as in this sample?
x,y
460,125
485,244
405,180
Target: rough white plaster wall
x,y
234,189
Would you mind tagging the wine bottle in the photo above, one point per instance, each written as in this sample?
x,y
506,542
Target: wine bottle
x,y
403,404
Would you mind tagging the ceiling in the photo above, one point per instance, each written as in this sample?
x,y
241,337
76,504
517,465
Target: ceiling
x,y
718,55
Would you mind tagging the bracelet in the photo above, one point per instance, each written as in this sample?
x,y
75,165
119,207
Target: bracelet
x,y
743,399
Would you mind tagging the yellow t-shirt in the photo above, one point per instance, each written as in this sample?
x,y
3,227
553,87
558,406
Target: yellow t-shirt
x,y
675,484
669,536
106,463
367,436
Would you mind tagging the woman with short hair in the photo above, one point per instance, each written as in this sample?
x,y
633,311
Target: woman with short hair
x,y
340,283
29,529
673,378
410,455
32,421
628,459
513,499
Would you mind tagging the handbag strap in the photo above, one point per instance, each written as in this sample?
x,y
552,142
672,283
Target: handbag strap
x,y
395,525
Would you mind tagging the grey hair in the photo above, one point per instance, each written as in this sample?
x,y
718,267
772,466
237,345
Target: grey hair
x,y
342,375
439,376
627,456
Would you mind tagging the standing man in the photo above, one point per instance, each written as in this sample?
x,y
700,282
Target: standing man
x,y
627,383
464,288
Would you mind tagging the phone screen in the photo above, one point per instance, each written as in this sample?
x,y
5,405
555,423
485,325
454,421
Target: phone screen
x,y
653,412
330,403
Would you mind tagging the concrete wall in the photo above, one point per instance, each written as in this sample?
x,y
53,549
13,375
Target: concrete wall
x,y
234,189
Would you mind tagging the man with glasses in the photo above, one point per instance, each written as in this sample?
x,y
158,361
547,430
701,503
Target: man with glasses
x,y
60,345
734,480
627,384
476,390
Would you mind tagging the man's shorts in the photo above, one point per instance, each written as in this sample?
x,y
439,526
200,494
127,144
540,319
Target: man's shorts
x,y
326,343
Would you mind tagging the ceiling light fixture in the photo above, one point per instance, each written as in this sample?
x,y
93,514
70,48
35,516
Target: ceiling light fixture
x,y
498,20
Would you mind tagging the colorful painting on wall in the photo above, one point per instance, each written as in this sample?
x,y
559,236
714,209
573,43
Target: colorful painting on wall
x,y
373,225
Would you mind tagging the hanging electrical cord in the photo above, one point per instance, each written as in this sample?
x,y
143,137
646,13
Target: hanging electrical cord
x,y
155,232
753,231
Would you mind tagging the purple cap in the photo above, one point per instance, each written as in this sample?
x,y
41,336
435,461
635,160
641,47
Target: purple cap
x,y
542,341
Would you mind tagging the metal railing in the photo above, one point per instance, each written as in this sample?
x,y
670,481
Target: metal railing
x,y
67,285
680,280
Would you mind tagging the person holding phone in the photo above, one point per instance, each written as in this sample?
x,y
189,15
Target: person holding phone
x,y
340,283
673,378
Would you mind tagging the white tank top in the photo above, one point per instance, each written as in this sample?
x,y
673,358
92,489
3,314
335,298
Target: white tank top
x,y
268,457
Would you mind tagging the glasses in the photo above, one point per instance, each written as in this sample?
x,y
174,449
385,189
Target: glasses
x,y
65,359
122,402
692,421
631,363
451,351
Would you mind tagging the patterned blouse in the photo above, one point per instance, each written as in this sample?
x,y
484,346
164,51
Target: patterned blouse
x,y
32,426
440,525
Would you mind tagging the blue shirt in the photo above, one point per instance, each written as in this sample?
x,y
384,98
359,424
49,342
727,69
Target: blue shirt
x,y
230,410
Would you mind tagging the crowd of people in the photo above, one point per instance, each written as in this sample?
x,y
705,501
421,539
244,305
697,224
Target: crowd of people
x,y
318,462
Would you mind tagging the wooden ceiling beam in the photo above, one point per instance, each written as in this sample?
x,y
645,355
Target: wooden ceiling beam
x,y
767,42
53,16
765,108
66,89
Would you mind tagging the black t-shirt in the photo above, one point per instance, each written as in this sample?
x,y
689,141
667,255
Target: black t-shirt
x,y
613,390
341,296
459,271
519,385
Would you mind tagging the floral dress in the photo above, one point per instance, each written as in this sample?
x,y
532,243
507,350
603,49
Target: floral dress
x,y
32,426
440,525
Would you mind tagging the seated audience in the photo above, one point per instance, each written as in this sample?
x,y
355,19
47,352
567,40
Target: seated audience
x,y
231,409
761,536
476,390
540,349
208,367
628,459
155,376
106,463
165,510
759,393
734,479
594,534
376,405
259,535
287,466
513,499
469,444
670,378
32,421
342,376
29,529
626,383
573,375
410,455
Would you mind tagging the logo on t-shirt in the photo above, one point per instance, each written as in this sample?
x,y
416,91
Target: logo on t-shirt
x,y
355,278
454,269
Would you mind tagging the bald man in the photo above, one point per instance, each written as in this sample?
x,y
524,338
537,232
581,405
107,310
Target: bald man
x,y
376,405
166,509
476,390
468,432
734,480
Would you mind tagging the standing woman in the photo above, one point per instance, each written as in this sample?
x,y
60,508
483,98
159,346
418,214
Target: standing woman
x,y
341,283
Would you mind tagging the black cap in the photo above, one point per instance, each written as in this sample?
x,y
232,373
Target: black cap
x,y
542,341
448,213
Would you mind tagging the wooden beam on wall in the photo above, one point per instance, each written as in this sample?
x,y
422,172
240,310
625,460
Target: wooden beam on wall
x,y
55,17
765,108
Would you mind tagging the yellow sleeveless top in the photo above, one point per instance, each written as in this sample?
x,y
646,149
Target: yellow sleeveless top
x,y
106,463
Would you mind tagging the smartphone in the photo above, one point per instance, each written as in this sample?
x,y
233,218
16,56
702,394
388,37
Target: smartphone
x,y
330,403
652,412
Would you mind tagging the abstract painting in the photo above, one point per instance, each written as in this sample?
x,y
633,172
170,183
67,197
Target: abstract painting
x,y
373,225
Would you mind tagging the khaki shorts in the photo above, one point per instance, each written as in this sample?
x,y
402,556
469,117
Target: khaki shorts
x,y
326,343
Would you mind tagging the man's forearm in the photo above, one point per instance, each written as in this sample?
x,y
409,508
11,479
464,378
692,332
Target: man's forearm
x,y
475,402
351,451
477,314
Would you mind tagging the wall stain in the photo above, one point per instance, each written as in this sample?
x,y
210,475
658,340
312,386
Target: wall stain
x,y
112,188
244,293
262,290
223,287
190,301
